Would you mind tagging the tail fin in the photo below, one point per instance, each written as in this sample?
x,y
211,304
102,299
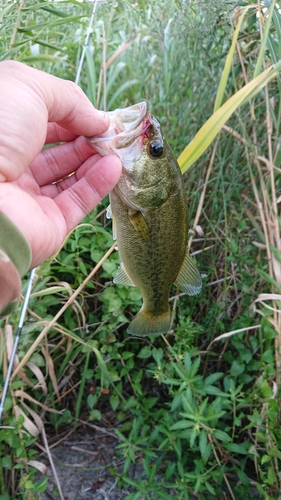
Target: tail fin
x,y
145,324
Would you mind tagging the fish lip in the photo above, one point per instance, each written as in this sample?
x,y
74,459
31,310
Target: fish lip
x,y
128,119
126,125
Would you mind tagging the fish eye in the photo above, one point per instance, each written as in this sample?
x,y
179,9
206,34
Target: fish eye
x,y
156,149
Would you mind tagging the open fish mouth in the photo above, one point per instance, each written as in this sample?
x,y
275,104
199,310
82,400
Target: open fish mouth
x,y
126,126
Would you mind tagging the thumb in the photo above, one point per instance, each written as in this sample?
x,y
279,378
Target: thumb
x,y
29,99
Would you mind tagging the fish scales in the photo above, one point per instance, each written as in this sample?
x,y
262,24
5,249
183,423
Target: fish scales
x,y
150,218
149,264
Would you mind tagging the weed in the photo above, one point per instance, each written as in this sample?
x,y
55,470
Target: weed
x,y
196,412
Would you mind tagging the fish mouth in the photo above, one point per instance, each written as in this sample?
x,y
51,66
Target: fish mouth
x,y
126,125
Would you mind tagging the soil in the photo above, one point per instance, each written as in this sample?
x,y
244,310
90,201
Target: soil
x,y
82,460
86,464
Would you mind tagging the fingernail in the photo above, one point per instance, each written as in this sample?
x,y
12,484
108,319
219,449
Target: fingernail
x,y
4,257
101,113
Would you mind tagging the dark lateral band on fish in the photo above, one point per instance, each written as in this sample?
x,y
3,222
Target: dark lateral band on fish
x,y
150,216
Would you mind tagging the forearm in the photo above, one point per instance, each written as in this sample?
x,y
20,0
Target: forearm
x,y
15,259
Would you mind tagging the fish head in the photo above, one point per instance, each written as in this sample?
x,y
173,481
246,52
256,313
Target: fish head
x,y
123,137
149,167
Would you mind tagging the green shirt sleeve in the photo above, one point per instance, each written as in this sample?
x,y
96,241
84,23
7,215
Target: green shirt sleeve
x,y
15,260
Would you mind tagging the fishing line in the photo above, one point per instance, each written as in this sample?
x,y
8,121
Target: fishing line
x,y
33,271
86,43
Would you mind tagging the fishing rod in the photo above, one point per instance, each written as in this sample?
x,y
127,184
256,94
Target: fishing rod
x,y
33,271
16,341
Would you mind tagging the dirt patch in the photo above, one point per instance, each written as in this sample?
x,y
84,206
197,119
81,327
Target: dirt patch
x,y
83,461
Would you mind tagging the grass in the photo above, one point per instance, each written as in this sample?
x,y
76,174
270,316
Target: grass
x,y
213,428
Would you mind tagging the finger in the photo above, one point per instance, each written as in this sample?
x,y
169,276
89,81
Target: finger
x,y
53,189
55,133
83,196
66,103
29,99
56,162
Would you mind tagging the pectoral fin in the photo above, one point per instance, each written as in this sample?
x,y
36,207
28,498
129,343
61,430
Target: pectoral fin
x,y
109,215
138,221
189,279
109,212
122,277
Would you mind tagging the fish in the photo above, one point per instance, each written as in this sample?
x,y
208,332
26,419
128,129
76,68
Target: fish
x,y
149,210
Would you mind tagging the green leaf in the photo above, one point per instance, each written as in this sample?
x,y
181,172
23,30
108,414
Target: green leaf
x,y
212,378
8,404
265,35
95,415
121,89
228,61
242,476
236,448
233,245
40,58
164,496
169,470
187,362
37,359
102,364
221,435
126,354
180,469
56,12
213,125
91,400
145,352
271,281
157,355
28,485
110,267
236,368
210,488
182,424
265,459
114,402
40,486
271,477
203,441
5,496
7,462
267,356
194,433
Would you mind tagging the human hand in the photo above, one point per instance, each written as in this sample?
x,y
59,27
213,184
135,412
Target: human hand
x,y
36,109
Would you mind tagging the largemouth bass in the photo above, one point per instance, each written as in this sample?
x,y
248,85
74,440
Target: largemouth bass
x,y
150,219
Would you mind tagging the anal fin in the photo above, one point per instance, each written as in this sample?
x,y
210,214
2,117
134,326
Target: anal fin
x,y
122,277
189,279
